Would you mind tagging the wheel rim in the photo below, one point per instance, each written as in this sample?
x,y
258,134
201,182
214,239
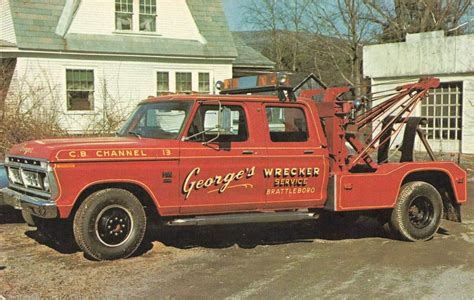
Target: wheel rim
x,y
114,225
420,212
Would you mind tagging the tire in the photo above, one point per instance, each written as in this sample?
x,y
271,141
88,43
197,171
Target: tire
x,y
109,224
417,214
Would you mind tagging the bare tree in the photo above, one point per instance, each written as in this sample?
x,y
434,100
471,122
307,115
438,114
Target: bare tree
x,y
31,111
111,113
327,37
331,32
294,22
342,31
267,15
396,19
6,74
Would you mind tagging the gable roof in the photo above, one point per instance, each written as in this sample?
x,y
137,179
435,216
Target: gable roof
x,y
212,24
35,23
248,56
4,43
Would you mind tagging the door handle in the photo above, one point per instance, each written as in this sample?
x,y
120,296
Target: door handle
x,y
247,152
308,151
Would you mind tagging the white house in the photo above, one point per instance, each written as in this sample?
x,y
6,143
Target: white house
x,y
88,55
449,108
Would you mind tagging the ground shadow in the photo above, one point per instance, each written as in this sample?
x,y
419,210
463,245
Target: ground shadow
x,y
252,235
63,243
9,215
245,236
442,231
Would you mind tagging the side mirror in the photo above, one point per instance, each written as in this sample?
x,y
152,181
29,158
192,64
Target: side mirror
x,y
224,125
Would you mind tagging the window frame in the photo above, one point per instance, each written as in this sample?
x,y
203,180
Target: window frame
x,y
136,15
199,81
127,125
66,90
197,110
176,81
303,110
151,14
162,92
194,78
124,13
434,106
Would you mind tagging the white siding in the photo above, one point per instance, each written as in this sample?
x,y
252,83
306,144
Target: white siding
x,y
422,53
174,19
468,114
429,54
94,17
7,32
126,82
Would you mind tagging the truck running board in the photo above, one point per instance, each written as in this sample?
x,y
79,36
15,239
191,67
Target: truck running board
x,y
244,218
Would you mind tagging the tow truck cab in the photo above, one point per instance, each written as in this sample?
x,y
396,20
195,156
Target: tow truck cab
x,y
201,159
273,156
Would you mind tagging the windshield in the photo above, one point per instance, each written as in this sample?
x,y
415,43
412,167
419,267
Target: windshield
x,y
161,120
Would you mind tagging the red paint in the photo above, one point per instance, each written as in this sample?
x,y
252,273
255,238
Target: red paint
x,y
253,175
380,189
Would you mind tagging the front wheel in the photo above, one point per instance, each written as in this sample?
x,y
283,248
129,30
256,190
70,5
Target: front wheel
x,y
417,214
110,224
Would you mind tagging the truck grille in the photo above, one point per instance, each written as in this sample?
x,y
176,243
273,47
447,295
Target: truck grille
x,y
24,161
28,175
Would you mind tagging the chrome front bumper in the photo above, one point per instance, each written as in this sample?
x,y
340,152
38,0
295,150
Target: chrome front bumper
x,y
33,205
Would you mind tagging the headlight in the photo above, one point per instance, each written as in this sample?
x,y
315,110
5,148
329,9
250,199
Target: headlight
x,y
15,176
31,179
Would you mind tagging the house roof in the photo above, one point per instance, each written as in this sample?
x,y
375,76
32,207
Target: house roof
x,y
4,43
35,23
248,56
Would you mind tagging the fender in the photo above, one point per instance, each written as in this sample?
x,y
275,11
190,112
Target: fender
x,y
65,210
354,191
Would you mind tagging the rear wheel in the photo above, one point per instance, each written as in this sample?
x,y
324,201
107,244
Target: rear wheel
x,y
417,214
110,224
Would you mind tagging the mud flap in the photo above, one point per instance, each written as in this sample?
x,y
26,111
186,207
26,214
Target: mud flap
x,y
452,212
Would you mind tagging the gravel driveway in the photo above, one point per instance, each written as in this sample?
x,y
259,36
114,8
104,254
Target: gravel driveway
x,y
290,260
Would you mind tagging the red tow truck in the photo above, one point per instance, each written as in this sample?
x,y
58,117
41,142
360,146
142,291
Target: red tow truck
x,y
292,154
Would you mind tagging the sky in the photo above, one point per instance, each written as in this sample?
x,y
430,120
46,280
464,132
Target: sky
x,y
234,13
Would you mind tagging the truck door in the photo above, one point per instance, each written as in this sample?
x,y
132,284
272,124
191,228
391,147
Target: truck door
x,y
223,175
298,169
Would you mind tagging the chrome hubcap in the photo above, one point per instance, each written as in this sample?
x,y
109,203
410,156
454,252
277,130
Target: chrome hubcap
x,y
114,225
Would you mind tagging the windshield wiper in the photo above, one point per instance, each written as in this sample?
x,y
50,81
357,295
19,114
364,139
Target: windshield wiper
x,y
138,135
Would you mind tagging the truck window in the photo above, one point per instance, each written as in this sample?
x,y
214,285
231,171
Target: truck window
x,y
206,118
161,120
287,124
